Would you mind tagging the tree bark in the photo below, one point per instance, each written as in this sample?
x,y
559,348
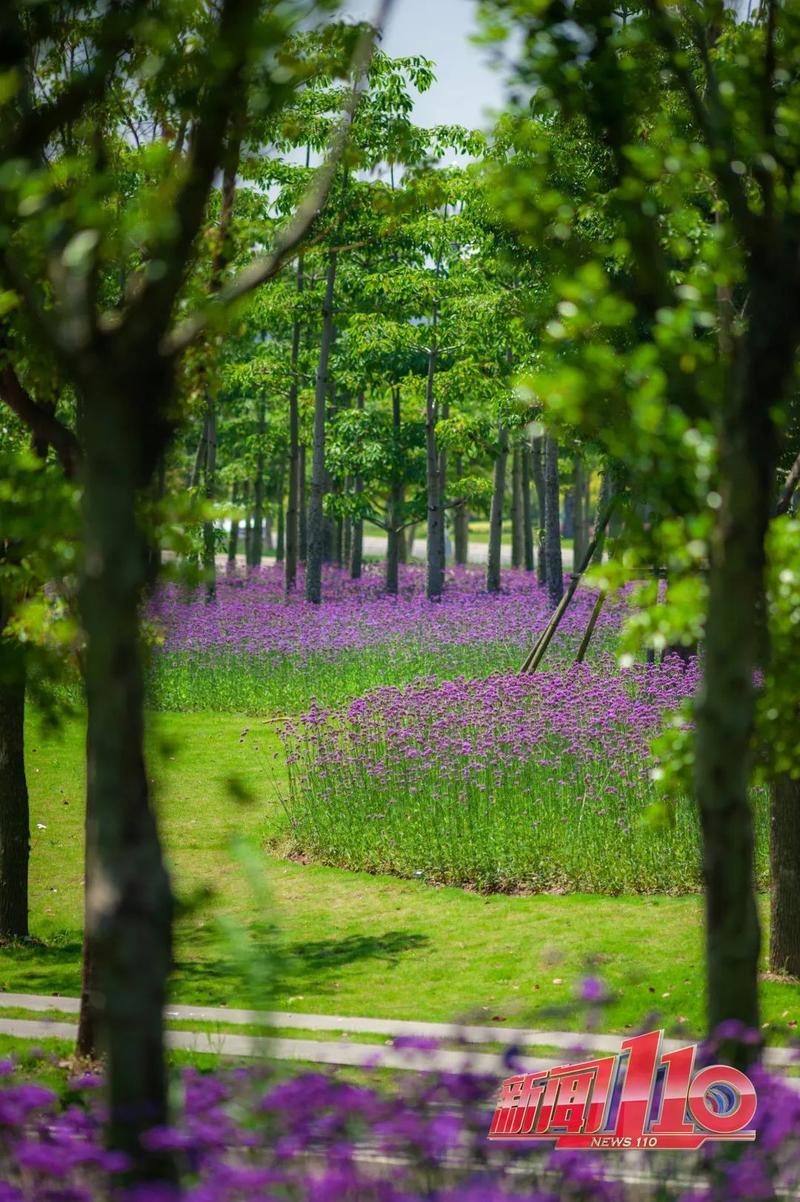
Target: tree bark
x,y
233,537
357,548
725,711
443,493
302,506
493,560
537,471
209,489
128,898
517,516
394,533
293,507
14,813
527,521
579,523
435,540
605,497
784,832
552,519
318,475
257,531
248,527
280,539
347,547
460,523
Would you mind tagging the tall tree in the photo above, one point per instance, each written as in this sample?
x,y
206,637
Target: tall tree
x,y
709,89
493,560
552,522
118,349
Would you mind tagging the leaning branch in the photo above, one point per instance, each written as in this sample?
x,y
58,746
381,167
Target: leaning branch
x,y
289,238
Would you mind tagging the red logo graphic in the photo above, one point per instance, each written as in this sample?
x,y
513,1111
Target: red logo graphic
x,y
641,1098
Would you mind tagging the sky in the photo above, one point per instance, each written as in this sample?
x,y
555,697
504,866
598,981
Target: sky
x,y
466,87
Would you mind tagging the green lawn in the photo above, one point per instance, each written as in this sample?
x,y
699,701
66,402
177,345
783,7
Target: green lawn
x,y
256,930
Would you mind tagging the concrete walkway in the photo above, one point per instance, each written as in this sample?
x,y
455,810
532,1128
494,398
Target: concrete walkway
x,y
328,1051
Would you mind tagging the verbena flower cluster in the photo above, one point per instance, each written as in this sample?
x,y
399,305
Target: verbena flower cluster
x,y
252,615
255,649
245,1135
536,782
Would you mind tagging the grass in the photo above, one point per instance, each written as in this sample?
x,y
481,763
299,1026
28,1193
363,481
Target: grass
x,y
256,930
281,684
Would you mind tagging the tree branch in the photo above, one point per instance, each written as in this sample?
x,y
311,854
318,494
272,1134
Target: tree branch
x,y
44,426
289,238
789,488
711,119
152,304
35,128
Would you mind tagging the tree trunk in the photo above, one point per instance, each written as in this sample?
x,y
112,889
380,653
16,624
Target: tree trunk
x,y
443,494
395,503
517,514
537,471
552,517
293,506
460,523
435,541
233,537
248,527
347,548
257,531
14,814
579,524
527,521
302,506
357,553
357,549
725,710
339,542
129,904
784,938
605,496
209,489
280,541
493,559
315,510
153,541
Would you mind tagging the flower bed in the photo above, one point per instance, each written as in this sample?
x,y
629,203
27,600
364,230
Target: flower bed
x,y
510,783
254,649
245,1135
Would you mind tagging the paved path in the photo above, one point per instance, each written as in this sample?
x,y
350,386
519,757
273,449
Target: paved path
x,y
375,545
477,552
227,1043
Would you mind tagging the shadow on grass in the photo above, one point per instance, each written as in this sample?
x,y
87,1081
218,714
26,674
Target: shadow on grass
x,y
324,954
42,966
212,976
215,977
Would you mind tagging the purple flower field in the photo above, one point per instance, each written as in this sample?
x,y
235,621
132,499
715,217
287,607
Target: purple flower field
x,y
512,782
245,1134
255,650
252,615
